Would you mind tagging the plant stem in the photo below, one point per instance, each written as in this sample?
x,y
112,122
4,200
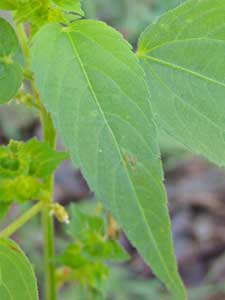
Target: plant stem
x,y
13,227
24,44
49,136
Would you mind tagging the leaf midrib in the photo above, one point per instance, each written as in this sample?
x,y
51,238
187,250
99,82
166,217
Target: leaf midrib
x,y
120,155
145,51
182,69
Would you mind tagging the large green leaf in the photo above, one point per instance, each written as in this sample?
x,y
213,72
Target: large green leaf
x,y
17,280
10,70
183,55
91,82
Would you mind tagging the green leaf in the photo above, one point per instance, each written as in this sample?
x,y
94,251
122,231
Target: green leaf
x,y
113,251
81,223
12,164
38,13
88,270
8,4
43,159
33,158
182,55
70,5
91,82
17,279
97,247
24,167
10,71
20,189
89,230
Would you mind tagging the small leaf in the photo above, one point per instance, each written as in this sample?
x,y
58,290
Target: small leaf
x,y
113,251
38,13
24,168
81,223
44,160
87,270
183,55
33,158
98,247
89,230
70,5
10,71
17,279
20,189
91,83
12,164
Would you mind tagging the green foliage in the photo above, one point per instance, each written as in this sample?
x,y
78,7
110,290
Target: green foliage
x,y
70,5
20,189
10,70
182,55
24,168
91,82
17,280
40,12
93,86
91,249
43,159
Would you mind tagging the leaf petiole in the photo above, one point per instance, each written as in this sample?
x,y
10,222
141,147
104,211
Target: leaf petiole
x,y
16,225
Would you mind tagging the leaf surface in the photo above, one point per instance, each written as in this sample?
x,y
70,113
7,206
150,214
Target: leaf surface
x,y
8,4
17,279
91,82
70,5
10,70
183,55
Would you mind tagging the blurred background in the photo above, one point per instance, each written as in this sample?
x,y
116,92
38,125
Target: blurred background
x,y
196,190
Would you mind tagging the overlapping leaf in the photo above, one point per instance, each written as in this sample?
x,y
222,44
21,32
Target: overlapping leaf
x,y
10,70
183,56
17,280
90,81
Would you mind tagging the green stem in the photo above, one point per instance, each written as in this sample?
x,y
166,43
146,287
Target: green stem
x,y
24,44
13,227
49,136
